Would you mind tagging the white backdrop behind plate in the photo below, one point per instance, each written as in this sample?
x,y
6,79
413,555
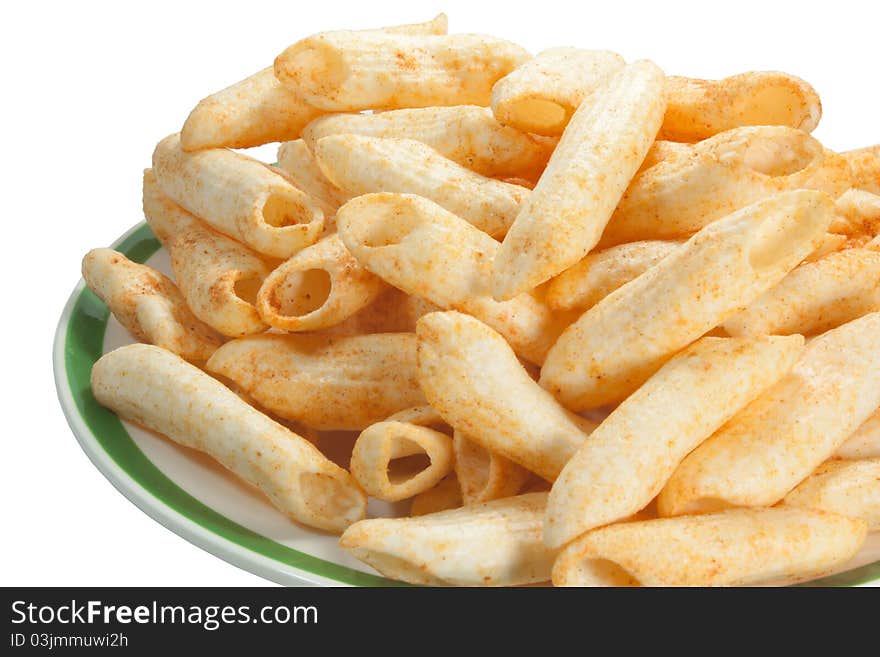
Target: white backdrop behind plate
x,y
89,87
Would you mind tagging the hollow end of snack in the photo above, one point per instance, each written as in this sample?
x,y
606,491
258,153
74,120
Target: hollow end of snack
x,y
310,66
779,151
296,300
534,114
380,220
770,98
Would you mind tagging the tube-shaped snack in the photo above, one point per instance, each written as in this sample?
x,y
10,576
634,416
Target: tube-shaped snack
x,y
698,109
217,276
858,213
493,544
466,134
239,197
471,376
393,311
737,547
865,164
402,456
618,343
344,383
585,284
156,389
597,156
625,462
680,196
541,95
775,442
148,305
361,164
864,443
301,167
815,297
319,287
444,496
484,475
848,488
425,250
348,71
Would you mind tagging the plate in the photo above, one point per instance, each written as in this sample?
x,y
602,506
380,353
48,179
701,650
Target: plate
x,y
196,498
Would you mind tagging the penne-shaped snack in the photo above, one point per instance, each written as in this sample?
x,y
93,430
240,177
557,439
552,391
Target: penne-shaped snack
x,y
419,247
148,305
864,443
597,156
402,456
744,547
815,297
586,283
699,109
330,383
217,276
361,164
484,475
775,442
301,168
472,377
493,544
625,462
681,195
858,213
466,134
541,95
156,389
348,71
239,196
848,488
621,341
865,164
319,287
444,496
393,311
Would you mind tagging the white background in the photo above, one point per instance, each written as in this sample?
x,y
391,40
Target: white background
x,y
88,88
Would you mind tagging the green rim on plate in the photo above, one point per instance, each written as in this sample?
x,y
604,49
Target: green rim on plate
x,y
83,345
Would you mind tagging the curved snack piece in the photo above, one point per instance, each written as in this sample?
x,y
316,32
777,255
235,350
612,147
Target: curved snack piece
x,y
361,165
156,389
597,156
344,383
679,196
865,164
388,459
737,547
848,488
699,109
319,287
349,71
238,196
621,341
148,305
493,544
471,376
775,442
858,214
585,284
541,95
815,297
466,134
864,443
301,168
444,496
393,311
625,462
217,276
484,475
422,249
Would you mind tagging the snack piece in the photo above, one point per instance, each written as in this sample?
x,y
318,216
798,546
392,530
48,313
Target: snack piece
x,y
698,109
597,156
865,164
160,391
442,497
301,168
775,442
239,196
541,95
621,341
858,214
483,474
848,488
741,547
493,544
347,71
148,305
625,462
344,383
865,442
217,276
